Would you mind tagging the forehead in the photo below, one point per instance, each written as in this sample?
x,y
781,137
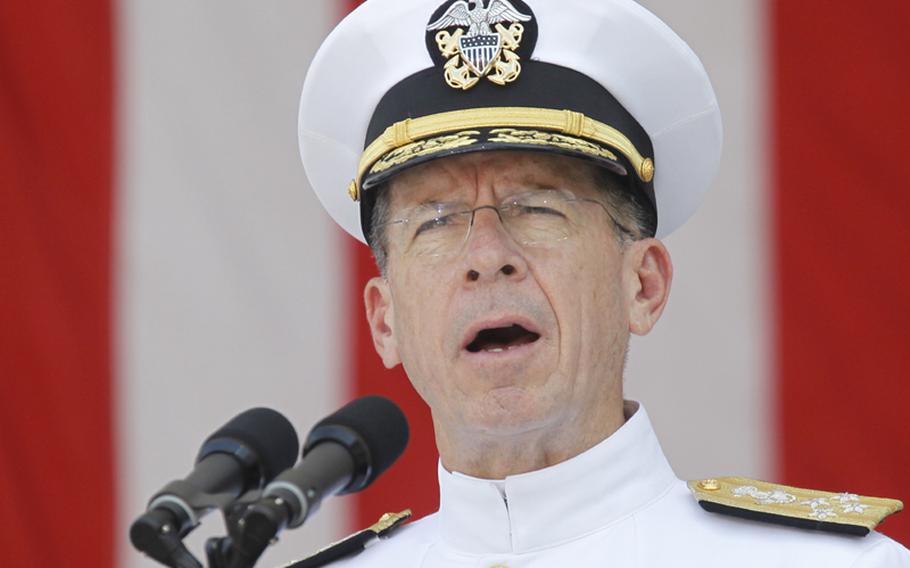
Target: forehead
x,y
462,177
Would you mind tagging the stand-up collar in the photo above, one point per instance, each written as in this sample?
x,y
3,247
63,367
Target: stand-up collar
x,y
542,508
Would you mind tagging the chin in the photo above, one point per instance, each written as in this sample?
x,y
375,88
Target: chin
x,y
511,411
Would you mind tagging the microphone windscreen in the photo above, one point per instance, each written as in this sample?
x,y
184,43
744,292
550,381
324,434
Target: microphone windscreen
x,y
378,422
266,432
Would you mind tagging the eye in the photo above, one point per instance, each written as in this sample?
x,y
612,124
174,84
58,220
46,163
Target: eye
x,y
434,223
537,210
536,204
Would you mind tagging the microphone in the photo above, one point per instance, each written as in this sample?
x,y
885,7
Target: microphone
x,y
344,453
244,454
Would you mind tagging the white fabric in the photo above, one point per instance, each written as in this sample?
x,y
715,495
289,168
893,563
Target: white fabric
x,y
628,50
618,504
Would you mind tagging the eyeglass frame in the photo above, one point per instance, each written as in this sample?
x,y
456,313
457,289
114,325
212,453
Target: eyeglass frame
x,y
622,230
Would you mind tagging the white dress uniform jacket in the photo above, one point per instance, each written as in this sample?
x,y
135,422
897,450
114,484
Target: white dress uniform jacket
x,y
618,504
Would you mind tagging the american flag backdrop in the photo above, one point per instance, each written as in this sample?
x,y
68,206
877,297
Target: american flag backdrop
x,y
164,264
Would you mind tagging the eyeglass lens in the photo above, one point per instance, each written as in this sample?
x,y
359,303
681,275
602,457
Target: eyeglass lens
x,y
538,218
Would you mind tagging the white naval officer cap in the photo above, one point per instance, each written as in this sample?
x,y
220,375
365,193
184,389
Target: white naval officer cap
x,y
402,82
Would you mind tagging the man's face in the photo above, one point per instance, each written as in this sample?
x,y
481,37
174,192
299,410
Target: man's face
x,y
501,337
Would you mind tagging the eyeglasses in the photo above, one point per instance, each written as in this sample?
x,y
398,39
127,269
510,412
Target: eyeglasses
x,y
538,218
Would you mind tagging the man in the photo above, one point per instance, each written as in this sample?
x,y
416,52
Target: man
x,y
512,164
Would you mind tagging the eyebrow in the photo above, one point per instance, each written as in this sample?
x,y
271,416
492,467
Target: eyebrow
x,y
432,203
409,210
565,178
513,190
528,182
531,184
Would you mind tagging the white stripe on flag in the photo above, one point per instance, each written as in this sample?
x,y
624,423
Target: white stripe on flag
x,y
705,372
229,270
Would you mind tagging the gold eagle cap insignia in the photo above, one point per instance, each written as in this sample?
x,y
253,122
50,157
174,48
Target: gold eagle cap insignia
x,y
482,45
781,504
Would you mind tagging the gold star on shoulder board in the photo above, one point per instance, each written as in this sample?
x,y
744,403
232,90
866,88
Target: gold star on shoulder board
x,y
792,506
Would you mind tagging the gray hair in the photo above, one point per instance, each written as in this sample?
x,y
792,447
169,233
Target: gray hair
x,y
632,211
378,235
630,208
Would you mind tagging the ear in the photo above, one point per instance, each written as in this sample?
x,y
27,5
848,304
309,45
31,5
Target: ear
x,y
649,286
377,298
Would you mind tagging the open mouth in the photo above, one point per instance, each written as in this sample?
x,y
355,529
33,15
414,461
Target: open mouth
x,y
499,339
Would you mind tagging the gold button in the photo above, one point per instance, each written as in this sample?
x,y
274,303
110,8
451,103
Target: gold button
x,y
647,170
709,484
499,566
354,191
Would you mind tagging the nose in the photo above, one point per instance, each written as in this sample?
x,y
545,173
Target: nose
x,y
490,252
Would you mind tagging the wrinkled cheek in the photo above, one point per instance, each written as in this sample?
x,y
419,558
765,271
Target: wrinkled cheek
x,y
418,339
601,310
408,334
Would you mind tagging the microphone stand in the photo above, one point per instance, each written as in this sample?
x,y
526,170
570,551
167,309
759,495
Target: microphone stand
x,y
156,534
252,527
159,532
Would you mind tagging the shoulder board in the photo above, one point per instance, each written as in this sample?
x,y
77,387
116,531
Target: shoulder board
x,y
792,506
355,543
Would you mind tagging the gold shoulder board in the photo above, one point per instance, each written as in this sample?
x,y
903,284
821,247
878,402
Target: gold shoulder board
x,y
355,543
781,504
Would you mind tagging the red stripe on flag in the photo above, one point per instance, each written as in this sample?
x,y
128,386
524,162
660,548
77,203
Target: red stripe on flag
x,y
842,233
411,482
56,463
